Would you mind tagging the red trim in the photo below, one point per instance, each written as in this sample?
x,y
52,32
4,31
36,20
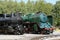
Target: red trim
x,y
49,28
46,28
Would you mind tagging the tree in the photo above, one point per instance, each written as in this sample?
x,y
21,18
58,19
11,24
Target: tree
x,y
28,7
43,6
56,10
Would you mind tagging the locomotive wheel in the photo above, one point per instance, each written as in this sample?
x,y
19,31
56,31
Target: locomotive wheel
x,y
18,30
10,29
47,32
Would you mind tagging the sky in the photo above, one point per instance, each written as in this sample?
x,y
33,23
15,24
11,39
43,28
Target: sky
x,y
51,1
48,1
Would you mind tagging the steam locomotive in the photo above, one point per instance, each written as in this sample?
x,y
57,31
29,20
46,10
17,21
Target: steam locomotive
x,y
16,24
38,23
11,24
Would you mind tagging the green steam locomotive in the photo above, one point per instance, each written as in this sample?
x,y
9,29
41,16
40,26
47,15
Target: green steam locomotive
x,y
38,23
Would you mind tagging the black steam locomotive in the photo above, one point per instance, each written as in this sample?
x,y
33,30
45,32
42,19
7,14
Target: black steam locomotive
x,y
11,24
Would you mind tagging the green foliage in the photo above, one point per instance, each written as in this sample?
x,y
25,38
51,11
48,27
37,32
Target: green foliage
x,y
56,11
29,7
